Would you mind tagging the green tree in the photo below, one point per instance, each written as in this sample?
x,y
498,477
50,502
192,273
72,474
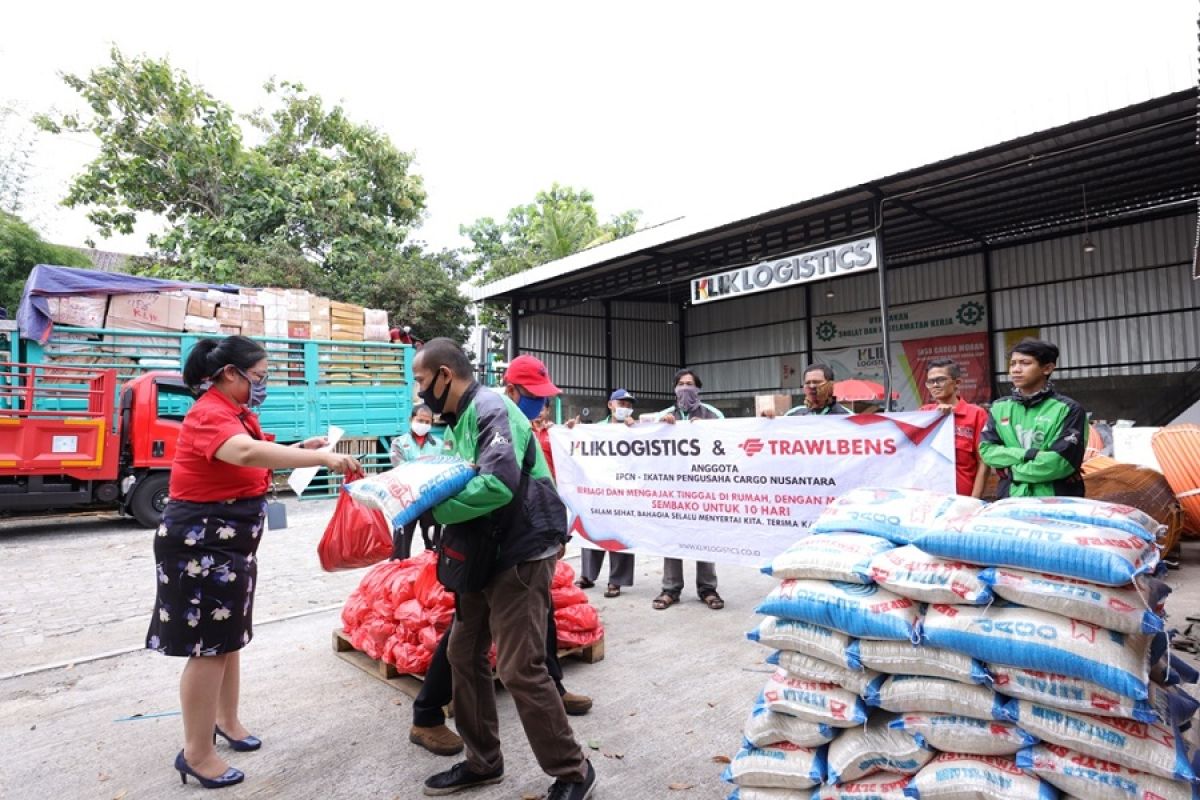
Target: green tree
x,y
420,289
21,249
318,187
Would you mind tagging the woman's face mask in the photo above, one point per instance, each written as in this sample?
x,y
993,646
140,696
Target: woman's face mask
x,y
258,391
420,428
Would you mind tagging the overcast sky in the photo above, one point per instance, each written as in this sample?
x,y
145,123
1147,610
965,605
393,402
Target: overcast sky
x,y
710,110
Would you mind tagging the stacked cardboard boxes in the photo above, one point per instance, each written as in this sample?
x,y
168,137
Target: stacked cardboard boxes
x,y
347,322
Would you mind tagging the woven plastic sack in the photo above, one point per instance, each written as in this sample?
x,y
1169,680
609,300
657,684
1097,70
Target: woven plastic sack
x,y
875,747
824,703
905,658
781,766
900,515
1127,609
809,668
958,734
1097,779
830,557
758,793
407,491
1076,694
1078,509
909,693
355,536
1070,549
1144,746
880,786
766,727
1031,639
804,637
867,611
910,572
957,776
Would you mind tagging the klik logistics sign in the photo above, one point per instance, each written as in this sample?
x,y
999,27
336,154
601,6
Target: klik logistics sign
x,y
826,262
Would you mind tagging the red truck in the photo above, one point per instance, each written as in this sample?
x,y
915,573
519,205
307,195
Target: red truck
x,y
62,447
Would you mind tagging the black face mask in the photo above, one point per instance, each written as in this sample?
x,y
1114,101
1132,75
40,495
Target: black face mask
x,y
436,403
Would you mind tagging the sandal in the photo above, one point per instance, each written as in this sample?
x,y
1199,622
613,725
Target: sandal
x,y
612,591
665,600
713,600
584,583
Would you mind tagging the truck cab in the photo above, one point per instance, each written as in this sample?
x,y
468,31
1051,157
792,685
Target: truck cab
x,y
150,416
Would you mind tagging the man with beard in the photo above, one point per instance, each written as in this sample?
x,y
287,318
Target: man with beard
x,y
818,393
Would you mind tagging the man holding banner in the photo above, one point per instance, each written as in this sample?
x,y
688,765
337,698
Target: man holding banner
x,y
620,565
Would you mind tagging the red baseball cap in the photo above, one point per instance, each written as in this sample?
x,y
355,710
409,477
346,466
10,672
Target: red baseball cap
x,y
530,374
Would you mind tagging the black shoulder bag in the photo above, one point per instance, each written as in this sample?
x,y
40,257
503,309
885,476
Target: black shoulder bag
x,y
468,551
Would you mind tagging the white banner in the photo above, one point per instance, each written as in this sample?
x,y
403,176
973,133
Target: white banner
x,y
915,321
738,491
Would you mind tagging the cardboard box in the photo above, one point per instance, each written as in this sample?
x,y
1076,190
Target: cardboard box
x,y
296,299
375,316
227,299
162,310
375,333
342,336
299,330
194,324
200,308
779,403
229,316
254,328
252,313
230,330
140,346
318,305
80,310
319,330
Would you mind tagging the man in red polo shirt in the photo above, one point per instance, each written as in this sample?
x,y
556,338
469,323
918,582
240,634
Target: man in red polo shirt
x,y
942,380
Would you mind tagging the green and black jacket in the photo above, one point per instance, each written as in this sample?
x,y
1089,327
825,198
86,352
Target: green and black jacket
x,y
493,434
1036,444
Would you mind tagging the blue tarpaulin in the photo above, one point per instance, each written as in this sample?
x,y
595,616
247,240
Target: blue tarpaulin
x,y
33,315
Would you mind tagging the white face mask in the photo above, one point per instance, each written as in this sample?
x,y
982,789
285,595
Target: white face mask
x,y
620,414
420,428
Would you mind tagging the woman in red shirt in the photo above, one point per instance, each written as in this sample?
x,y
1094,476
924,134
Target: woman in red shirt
x,y
942,379
204,549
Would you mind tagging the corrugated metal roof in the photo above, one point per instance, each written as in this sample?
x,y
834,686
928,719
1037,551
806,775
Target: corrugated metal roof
x,y
1132,161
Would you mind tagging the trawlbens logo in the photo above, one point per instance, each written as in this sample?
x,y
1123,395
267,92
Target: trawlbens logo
x,y
752,446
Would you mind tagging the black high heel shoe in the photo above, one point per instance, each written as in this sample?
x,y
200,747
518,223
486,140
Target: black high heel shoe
x,y
241,745
230,778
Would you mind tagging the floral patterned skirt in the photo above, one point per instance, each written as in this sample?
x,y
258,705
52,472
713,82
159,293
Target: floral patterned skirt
x,y
204,554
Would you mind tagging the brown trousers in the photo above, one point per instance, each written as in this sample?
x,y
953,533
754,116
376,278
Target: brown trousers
x,y
512,610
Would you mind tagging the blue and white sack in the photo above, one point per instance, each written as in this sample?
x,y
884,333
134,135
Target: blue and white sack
x,y
957,776
906,658
1127,609
1097,779
812,701
766,727
759,793
406,492
955,733
1079,509
909,693
866,611
803,637
1086,697
1024,637
781,766
809,668
875,747
910,572
878,786
1144,746
900,515
832,557
1071,549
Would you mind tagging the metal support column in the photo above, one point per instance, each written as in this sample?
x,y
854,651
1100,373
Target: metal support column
x,y
993,385
608,347
514,329
884,308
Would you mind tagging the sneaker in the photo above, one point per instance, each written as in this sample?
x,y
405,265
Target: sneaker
x,y
457,778
561,790
576,704
441,741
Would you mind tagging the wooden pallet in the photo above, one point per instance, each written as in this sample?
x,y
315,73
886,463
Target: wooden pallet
x,y
411,684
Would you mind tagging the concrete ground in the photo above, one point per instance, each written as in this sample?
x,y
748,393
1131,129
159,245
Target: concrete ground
x,y
85,713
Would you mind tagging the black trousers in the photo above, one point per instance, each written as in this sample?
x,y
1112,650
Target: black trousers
x,y
438,688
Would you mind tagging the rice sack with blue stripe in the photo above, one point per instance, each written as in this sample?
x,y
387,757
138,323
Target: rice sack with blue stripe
x,y
781,766
863,610
1098,779
957,776
1078,509
1128,609
900,515
831,557
406,492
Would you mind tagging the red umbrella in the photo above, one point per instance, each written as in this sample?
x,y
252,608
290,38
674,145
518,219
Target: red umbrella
x,y
855,390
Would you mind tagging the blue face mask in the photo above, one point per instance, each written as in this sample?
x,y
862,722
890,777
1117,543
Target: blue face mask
x,y
531,406
258,391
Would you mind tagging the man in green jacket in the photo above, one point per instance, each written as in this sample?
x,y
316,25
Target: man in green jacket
x,y
492,433
1035,439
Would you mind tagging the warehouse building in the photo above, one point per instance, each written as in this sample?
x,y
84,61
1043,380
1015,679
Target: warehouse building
x,y
1085,235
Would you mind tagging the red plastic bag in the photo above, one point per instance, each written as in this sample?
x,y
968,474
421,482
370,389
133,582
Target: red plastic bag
x,y
578,625
355,536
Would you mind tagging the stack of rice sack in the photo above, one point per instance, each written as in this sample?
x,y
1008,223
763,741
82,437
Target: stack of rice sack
x,y
884,687
400,611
